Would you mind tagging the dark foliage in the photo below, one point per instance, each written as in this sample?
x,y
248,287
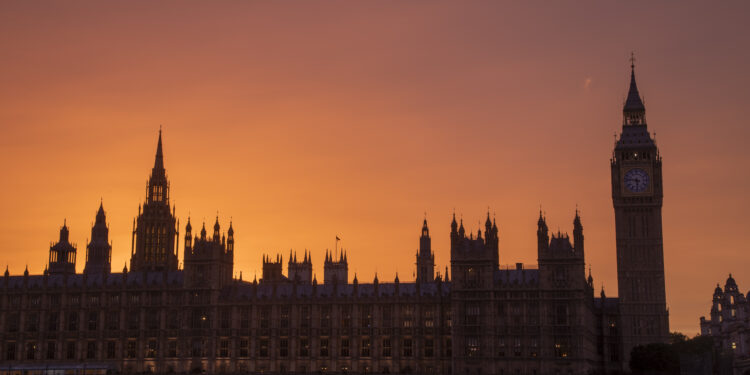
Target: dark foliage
x,y
664,359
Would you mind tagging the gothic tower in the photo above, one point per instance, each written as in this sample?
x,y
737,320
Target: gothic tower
x,y
99,250
425,257
299,271
637,194
336,271
155,230
62,255
209,262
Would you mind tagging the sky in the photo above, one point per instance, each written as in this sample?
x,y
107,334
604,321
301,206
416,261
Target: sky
x,y
303,121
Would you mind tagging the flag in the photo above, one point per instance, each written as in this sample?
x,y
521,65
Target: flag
x,y
337,238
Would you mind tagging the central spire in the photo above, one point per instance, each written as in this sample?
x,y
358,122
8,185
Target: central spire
x,y
633,112
159,161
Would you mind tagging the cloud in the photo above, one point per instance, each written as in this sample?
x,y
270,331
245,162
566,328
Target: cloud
x,y
587,83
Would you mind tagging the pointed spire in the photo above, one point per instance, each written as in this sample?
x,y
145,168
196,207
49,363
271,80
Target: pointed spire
x,y
159,160
633,102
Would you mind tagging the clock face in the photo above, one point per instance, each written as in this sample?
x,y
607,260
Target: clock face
x,y
636,180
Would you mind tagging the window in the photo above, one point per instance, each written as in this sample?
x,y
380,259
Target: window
x,y
53,321
265,313
31,350
283,347
365,348
387,316
325,316
472,346
175,319
172,348
130,351
32,322
472,314
152,319
151,349
561,315
346,316
244,318
344,347
263,348
429,347
111,349
365,316
91,350
304,347
224,348
51,349
386,347
304,317
244,348
134,319
407,347
448,348
284,318
534,347
561,347
70,350
429,315
501,347
517,346
13,322
324,347
10,351
407,315
93,319
225,316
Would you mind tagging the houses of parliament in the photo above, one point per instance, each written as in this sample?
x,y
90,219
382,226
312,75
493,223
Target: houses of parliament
x,y
477,318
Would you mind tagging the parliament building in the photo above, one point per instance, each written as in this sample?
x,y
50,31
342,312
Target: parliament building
x,y
160,316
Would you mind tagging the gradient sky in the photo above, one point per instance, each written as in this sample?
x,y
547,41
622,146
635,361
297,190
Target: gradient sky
x,y
306,120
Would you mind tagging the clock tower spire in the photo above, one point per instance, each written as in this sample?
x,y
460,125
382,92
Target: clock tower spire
x,y
637,195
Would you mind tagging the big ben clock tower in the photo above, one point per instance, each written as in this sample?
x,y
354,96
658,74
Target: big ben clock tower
x,y
637,194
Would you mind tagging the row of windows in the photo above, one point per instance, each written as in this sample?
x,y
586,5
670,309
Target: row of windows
x,y
199,348
202,318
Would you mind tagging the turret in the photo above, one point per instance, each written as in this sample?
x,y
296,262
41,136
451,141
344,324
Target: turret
x,y
230,237
299,271
216,236
425,256
336,271
99,250
188,236
62,255
542,234
578,234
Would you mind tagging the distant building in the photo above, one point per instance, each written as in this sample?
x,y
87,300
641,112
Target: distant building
x,y
729,325
484,319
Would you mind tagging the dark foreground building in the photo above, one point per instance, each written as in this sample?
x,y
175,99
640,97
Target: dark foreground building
x,y
156,317
729,326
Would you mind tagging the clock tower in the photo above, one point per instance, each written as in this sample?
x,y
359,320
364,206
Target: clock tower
x,y
637,194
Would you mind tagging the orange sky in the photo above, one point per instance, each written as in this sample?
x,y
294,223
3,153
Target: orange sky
x,y
306,120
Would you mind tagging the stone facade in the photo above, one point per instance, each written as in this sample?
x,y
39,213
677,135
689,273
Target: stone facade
x,y
487,319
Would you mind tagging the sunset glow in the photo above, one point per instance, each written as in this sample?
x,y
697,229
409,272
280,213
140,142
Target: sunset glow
x,y
356,119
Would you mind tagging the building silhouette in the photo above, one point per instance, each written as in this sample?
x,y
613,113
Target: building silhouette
x,y
729,325
476,318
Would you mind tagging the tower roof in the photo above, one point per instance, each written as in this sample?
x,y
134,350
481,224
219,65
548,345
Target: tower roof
x,y
159,160
633,102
